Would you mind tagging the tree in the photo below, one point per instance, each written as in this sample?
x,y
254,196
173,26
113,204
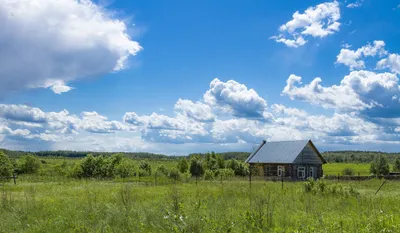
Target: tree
x,y
183,165
6,167
125,169
396,166
196,167
348,172
29,164
162,170
380,166
144,168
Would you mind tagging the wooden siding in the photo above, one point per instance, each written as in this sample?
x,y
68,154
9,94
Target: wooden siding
x,y
308,156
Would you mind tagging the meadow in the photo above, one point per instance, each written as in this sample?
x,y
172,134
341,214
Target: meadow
x,y
72,205
53,201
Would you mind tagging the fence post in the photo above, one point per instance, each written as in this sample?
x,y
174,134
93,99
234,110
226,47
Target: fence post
x,y
338,177
15,178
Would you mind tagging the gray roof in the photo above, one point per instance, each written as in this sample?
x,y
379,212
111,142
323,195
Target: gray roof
x,y
277,152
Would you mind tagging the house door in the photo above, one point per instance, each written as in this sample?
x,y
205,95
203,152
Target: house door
x,y
311,172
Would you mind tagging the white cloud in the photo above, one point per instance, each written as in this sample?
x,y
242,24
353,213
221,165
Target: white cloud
x,y
318,21
355,4
360,91
235,98
392,62
47,43
353,58
198,111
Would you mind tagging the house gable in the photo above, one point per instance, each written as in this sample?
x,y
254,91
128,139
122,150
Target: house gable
x,y
309,155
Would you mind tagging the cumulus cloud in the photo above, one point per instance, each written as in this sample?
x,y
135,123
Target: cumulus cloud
x,y
355,4
353,58
236,98
392,62
361,91
196,110
48,43
316,21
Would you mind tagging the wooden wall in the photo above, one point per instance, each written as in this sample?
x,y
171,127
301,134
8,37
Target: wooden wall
x,y
308,156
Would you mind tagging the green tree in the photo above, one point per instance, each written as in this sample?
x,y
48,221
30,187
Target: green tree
x,y
144,168
183,165
196,167
6,167
28,164
162,170
125,169
380,166
396,166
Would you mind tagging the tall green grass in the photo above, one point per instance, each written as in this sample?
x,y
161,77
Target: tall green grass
x,y
210,206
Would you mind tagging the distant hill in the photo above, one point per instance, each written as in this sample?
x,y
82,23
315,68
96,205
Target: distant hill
x,y
330,156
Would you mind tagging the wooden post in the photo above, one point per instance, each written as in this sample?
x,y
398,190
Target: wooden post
x,y
15,178
250,175
338,177
282,181
380,186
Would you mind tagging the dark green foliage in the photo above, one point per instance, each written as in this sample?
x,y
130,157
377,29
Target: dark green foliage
x,y
348,172
380,166
101,167
209,175
396,166
162,170
357,156
225,172
144,168
28,164
125,169
174,174
239,168
6,167
183,165
196,167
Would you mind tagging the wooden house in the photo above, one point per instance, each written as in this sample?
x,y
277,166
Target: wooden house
x,y
295,160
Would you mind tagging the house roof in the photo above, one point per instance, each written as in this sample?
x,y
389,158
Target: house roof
x,y
279,152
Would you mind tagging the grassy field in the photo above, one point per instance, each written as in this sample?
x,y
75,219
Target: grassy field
x,y
337,168
210,206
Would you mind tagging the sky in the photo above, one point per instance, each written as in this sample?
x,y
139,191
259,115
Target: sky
x,y
178,77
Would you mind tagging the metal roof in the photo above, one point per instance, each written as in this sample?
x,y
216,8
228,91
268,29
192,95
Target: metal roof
x,y
277,152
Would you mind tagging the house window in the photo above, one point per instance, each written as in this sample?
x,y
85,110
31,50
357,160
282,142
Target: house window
x,y
312,171
281,170
301,172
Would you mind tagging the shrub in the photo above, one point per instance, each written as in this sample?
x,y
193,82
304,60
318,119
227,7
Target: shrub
x,y
196,167
162,170
396,166
239,168
225,172
28,164
144,168
209,175
125,169
6,167
348,172
183,165
174,174
380,166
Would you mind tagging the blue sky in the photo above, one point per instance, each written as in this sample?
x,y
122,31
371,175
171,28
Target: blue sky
x,y
109,75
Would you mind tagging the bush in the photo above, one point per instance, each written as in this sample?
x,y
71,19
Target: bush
x,y
380,166
183,165
99,167
196,167
209,175
28,164
162,170
6,167
348,172
396,166
225,172
144,168
239,168
174,174
125,169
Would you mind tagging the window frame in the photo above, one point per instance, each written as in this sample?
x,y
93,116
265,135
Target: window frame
x,y
281,170
303,172
311,172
